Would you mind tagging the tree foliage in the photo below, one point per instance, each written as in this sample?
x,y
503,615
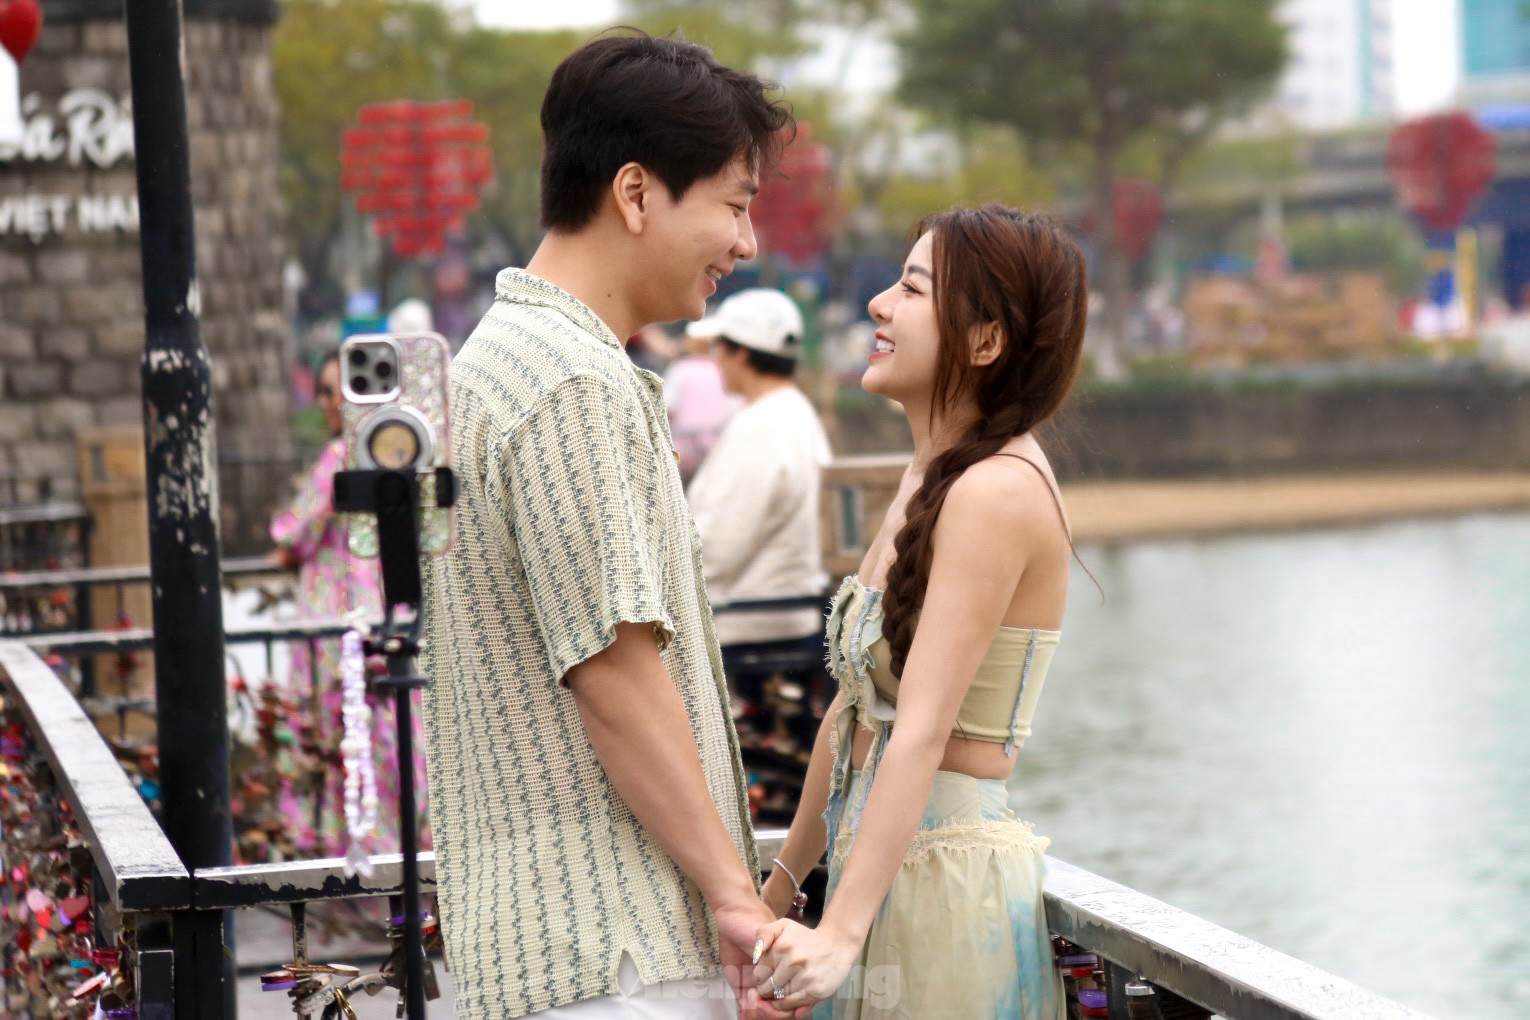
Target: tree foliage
x,y
742,33
991,166
333,56
1388,242
1105,73
1101,71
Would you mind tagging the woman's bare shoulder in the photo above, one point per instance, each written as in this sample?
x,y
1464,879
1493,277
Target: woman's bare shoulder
x,y
1002,496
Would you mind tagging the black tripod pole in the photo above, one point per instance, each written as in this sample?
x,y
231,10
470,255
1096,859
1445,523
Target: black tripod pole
x,y
392,496
401,673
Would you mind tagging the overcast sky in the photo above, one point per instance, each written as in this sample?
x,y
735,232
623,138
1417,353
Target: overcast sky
x,y
1425,38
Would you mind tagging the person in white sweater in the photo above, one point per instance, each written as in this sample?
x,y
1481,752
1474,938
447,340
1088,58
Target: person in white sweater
x,y
755,497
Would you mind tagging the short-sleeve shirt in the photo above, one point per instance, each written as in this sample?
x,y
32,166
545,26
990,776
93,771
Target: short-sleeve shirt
x,y
570,519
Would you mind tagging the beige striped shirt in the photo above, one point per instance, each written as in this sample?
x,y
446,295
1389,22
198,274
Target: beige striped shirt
x,y
570,519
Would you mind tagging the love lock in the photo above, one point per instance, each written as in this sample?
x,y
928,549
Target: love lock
x,y
341,1007
369,983
313,996
331,999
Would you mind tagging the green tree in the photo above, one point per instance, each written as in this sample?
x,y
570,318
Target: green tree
x,y
1386,241
742,33
505,75
330,57
1106,73
991,166
333,56
773,37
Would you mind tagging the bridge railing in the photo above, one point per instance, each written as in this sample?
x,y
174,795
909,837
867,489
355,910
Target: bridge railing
x,y
66,592
141,888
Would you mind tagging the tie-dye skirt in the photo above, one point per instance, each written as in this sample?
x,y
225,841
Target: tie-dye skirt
x,y
962,932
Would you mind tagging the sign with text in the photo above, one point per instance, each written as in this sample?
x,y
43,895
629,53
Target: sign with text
x,y
85,130
37,216
86,127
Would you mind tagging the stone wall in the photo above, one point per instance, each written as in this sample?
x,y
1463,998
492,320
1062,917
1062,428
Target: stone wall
x,y
71,302
1468,424
1476,425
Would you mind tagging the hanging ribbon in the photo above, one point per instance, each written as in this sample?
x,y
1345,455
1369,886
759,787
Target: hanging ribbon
x,y
356,752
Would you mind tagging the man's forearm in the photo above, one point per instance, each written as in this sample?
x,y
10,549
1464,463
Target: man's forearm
x,y
637,724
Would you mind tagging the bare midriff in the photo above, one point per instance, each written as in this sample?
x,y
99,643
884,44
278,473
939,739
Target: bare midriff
x,y
981,759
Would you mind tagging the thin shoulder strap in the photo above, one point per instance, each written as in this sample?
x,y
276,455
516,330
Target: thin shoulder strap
x,y
1056,499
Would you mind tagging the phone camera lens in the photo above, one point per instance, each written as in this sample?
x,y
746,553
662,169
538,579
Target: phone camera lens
x,y
384,370
358,357
359,384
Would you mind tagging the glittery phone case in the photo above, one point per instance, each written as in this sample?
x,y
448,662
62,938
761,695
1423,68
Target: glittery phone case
x,y
423,359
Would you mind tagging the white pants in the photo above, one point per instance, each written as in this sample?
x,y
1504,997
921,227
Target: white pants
x,y
693,999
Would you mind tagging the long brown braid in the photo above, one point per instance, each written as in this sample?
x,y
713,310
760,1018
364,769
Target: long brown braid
x,y
992,264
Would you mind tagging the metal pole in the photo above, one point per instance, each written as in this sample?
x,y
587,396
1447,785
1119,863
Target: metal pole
x,y
183,503
414,957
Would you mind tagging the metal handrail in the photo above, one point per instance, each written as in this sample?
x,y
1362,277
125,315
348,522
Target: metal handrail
x,y
97,642
43,513
1218,969
130,639
245,566
1203,962
249,885
140,868
789,602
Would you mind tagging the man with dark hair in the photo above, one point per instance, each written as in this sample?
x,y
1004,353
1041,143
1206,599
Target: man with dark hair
x,y
755,498
589,806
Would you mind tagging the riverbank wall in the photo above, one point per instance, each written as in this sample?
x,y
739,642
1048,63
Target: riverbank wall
x,y
1202,431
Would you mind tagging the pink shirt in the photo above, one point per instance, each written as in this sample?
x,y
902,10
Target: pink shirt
x,y
699,407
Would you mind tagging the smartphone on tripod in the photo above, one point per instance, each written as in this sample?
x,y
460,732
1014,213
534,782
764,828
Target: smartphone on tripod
x,y
395,418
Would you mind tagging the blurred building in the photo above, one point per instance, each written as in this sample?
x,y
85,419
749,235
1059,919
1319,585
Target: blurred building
x,y
71,292
1495,52
1340,69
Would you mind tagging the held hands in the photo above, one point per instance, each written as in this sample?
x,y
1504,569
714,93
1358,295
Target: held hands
x,y
797,967
737,927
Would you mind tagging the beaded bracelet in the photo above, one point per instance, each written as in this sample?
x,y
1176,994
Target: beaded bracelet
x,y
800,900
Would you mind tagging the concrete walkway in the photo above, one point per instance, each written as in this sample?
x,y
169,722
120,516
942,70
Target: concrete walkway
x,y
1122,511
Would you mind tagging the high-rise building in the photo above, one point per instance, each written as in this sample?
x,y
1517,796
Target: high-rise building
x,y
1495,52
1340,66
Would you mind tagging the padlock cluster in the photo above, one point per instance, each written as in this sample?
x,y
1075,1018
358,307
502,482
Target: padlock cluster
x,y
1087,991
325,990
1083,977
276,758
27,611
279,759
51,966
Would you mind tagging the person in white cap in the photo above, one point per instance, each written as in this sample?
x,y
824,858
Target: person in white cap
x,y
755,497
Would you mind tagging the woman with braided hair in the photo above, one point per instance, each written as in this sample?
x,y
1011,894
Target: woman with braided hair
x,y
940,646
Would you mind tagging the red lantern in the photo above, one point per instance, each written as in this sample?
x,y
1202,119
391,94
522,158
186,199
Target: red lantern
x,y
1137,209
1439,165
417,167
793,213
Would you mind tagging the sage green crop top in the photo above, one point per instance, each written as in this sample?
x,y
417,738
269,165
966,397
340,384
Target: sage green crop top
x,y
998,707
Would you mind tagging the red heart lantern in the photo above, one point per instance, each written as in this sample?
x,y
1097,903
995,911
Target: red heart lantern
x,y
794,214
20,25
1137,208
1439,165
416,167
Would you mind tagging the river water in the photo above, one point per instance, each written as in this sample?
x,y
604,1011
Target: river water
x,y
1320,740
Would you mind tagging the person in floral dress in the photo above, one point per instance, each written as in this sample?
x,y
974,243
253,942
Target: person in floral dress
x,y
311,538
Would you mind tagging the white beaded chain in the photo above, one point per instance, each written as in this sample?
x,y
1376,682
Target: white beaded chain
x,y
356,752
